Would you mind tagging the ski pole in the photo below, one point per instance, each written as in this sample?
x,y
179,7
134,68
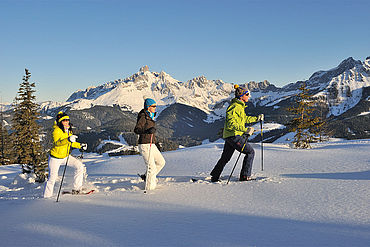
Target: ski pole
x,y
65,168
237,159
147,170
261,145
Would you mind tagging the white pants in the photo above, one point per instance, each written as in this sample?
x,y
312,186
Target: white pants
x,y
154,162
54,165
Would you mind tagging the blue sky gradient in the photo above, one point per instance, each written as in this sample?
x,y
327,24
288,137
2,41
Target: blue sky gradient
x,y
71,45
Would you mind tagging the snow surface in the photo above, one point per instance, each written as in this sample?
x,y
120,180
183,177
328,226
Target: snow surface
x,y
315,197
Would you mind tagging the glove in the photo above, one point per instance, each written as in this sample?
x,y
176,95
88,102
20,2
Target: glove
x,y
72,138
84,146
260,117
151,130
249,131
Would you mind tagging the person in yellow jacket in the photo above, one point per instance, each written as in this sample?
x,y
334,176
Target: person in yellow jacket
x,y
63,142
235,135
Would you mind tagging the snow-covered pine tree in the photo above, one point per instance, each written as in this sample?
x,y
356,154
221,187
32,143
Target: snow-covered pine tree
x,y
304,121
26,137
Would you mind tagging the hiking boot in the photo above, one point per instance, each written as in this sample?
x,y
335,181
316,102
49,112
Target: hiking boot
x,y
143,177
215,180
245,178
75,192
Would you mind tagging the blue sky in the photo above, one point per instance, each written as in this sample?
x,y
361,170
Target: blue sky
x,y
71,45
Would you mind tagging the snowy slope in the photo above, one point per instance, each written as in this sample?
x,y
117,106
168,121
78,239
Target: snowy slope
x,y
317,197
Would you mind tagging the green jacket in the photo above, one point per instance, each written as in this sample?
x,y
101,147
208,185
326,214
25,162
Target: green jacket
x,y
236,119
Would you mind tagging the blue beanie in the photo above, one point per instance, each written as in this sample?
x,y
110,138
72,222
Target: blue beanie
x,y
148,102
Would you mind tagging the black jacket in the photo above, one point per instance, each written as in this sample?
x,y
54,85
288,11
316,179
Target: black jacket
x,y
143,124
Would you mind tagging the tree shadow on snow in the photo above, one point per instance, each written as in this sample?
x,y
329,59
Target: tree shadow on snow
x,y
363,175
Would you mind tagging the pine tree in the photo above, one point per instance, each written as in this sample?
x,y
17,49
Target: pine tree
x,y
304,122
5,148
323,129
26,138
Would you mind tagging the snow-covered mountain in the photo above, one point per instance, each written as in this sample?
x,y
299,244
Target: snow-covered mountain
x,y
129,93
340,88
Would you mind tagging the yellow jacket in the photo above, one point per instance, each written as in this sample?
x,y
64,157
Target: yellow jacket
x,y
61,146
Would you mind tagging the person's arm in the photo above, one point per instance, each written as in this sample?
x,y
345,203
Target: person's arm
x,y
251,119
140,125
58,139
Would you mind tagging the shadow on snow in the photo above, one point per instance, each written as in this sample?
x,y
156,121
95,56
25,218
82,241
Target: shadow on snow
x,y
363,175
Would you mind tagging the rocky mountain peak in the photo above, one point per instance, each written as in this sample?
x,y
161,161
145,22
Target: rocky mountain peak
x,y
323,77
252,85
348,63
199,81
367,63
144,69
260,86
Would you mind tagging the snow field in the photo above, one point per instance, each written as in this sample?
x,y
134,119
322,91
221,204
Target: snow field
x,y
316,197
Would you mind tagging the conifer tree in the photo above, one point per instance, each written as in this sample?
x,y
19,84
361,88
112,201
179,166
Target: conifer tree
x,y
5,143
26,138
321,128
303,122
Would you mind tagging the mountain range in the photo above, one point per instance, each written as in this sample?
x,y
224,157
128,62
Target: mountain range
x,y
340,87
192,111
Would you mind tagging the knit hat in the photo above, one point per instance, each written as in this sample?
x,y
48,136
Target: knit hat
x,y
240,91
148,102
61,116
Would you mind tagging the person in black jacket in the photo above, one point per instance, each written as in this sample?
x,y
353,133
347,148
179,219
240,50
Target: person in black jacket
x,y
145,128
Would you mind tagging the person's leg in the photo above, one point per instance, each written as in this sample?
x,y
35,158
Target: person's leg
x,y
151,181
158,159
54,165
240,143
227,153
246,170
79,172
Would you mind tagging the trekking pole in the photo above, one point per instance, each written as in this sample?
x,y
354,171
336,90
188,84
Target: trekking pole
x,y
237,159
261,145
147,170
65,168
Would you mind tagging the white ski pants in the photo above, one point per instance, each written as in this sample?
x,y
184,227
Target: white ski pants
x,y
154,162
54,165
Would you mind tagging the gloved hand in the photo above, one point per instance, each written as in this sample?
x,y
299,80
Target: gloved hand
x,y
249,131
72,138
84,146
151,130
260,117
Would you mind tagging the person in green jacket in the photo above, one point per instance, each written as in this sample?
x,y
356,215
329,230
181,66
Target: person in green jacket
x,y
235,135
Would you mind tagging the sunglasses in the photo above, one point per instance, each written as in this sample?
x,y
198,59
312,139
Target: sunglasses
x,y
154,106
65,120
